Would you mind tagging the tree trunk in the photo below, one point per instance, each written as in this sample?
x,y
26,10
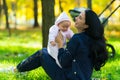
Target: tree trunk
x,y
60,5
89,4
0,7
0,10
14,9
6,15
35,14
48,19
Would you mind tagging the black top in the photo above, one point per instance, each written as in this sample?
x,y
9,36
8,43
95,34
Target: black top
x,y
75,59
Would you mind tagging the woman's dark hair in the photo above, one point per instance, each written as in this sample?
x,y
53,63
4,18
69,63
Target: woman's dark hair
x,y
96,32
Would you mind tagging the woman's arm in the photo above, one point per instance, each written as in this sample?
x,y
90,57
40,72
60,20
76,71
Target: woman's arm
x,y
65,56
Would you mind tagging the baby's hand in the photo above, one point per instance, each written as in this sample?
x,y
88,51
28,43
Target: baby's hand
x,y
53,43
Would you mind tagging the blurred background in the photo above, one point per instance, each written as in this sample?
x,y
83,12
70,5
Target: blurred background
x,y
24,27
21,12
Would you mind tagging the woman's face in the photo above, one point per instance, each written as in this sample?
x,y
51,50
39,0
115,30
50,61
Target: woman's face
x,y
80,22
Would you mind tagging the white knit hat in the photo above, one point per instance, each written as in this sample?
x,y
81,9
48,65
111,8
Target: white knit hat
x,y
63,16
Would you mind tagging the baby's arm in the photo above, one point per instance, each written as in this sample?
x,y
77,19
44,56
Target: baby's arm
x,y
52,35
53,43
69,34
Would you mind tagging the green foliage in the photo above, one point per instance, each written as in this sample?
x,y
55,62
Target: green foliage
x,y
23,43
113,28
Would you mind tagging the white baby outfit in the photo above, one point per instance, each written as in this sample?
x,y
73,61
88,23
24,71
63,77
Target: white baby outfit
x,y
53,32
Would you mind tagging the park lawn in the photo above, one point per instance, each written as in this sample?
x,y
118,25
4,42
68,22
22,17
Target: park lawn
x,y
24,43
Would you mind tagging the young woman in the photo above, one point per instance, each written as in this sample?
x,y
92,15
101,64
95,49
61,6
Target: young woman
x,y
85,51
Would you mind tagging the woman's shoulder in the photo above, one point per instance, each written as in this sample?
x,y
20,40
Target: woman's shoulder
x,y
81,37
76,37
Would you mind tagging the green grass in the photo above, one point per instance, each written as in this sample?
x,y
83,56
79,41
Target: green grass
x,y
19,46
23,43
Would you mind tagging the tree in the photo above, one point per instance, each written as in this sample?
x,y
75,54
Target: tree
x,y
89,4
6,15
0,7
35,14
14,9
60,5
0,10
48,19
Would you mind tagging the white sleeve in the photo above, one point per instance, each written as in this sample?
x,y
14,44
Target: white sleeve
x,y
52,33
69,34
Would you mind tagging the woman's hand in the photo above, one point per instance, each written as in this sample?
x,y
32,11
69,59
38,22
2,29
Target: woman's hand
x,y
59,40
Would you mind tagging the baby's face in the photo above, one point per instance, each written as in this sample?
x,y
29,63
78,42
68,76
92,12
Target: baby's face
x,y
64,25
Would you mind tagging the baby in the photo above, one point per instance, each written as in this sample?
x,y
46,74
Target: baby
x,y
62,24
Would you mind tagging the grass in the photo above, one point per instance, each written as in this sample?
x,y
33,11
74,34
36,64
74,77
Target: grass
x,y
14,49
23,43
